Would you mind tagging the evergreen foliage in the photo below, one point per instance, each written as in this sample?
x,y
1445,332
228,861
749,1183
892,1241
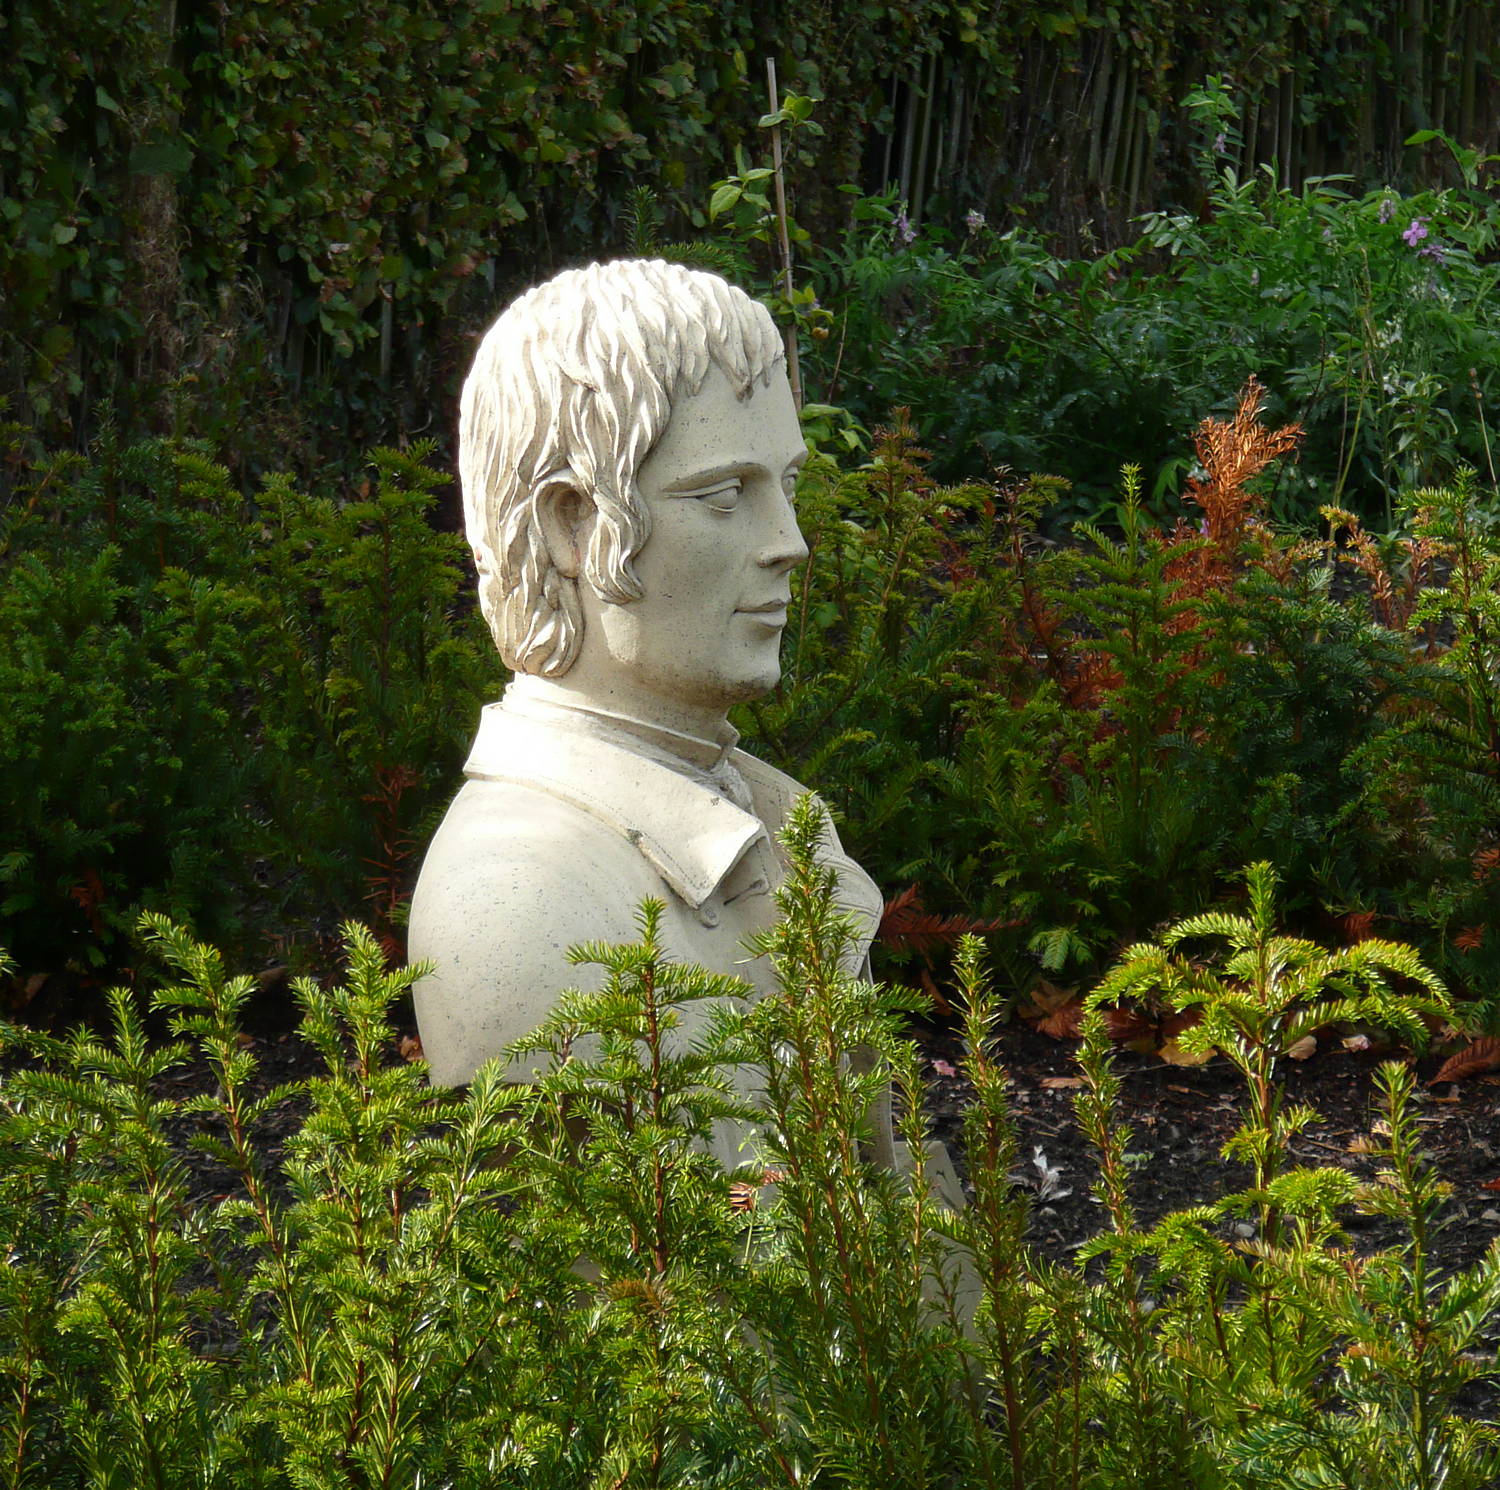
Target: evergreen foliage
x,y
553,1285
217,708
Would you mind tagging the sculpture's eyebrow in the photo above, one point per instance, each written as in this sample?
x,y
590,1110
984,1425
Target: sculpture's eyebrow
x,y
694,479
727,471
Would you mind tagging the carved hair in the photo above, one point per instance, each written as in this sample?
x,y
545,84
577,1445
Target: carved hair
x,y
570,390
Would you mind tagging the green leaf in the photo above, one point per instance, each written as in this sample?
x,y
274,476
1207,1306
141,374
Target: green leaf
x,y
726,195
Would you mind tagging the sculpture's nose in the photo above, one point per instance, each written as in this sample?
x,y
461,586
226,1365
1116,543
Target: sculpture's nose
x,y
785,547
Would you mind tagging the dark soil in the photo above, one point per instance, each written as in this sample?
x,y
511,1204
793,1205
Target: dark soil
x,y
1180,1117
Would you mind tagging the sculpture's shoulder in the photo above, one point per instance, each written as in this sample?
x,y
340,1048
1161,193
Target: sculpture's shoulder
x,y
514,877
505,849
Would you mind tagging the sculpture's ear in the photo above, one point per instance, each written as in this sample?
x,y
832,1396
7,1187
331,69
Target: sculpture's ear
x,y
565,516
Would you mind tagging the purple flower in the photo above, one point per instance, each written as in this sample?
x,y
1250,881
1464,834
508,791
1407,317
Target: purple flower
x,y
1417,231
974,222
1387,209
1433,251
905,233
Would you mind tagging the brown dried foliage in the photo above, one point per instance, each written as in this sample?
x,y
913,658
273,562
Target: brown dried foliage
x,y
907,923
1393,591
1474,1059
1232,453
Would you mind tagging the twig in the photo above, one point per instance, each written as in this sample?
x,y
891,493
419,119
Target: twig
x,y
793,368
1484,429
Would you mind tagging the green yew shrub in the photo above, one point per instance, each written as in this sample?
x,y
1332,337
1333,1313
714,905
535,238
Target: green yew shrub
x,y
232,711
552,1285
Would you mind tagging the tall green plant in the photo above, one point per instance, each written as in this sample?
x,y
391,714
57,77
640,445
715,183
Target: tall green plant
x,y
1269,992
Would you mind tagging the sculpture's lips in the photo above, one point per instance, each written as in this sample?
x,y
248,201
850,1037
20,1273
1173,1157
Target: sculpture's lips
x,y
773,610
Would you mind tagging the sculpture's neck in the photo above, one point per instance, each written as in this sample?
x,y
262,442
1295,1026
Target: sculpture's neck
x,y
554,698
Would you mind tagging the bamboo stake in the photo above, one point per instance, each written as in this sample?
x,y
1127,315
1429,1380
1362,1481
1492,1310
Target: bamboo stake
x,y
1442,89
1099,84
1117,124
908,139
890,139
924,145
1288,114
793,367
1467,76
956,90
1413,66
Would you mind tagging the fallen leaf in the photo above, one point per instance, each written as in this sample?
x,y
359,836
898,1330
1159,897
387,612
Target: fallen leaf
x,y
270,979
943,1068
1127,1025
1493,1184
1174,1055
1184,1019
1363,1145
1065,1022
1049,1185
1043,997
1356,1043
409,1048
1061,1083
1475,1058
1303,1049
1187,1091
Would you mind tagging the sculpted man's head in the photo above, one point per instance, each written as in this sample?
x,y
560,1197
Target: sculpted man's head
x,y
627,445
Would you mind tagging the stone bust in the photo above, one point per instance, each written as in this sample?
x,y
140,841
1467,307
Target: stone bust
x,y
628,448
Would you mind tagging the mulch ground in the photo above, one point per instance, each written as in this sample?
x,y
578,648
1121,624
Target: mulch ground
x,y
1182,1115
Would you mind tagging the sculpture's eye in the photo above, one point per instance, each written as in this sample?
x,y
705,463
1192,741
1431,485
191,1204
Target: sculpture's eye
x,y
721,498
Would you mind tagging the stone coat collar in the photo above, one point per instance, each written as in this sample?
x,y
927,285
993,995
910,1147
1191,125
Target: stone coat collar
x,y
691,835
677,814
